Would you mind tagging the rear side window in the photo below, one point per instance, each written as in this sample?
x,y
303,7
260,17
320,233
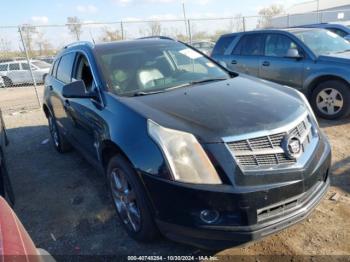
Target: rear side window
x,y
64,70
250,45
3,67
222,44
14,66
53,70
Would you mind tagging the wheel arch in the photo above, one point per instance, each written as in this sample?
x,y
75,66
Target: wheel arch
x,y
110,149
317,80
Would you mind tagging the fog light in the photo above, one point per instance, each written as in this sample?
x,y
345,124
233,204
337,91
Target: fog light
x,y
209,216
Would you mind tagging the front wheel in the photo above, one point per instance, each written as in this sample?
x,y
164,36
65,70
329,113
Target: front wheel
x,y
331,99
130,200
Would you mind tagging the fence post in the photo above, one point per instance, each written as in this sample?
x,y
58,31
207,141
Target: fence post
x,y
189,31
243,20
122,29
288,20
30,68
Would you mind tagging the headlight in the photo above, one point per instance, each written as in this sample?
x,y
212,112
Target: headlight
x,y
302,96
185,156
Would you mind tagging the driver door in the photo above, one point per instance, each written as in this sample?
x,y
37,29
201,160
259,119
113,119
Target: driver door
x,y
87,125
276,67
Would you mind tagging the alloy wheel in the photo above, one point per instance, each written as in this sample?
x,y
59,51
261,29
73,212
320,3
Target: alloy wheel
x,y
329,101
124,199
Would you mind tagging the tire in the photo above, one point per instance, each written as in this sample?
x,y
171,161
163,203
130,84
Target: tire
x,y
331,99
58,140
7,186
123,181
7,81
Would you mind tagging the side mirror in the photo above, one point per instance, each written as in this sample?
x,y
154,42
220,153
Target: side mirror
x,y
293,53
76,89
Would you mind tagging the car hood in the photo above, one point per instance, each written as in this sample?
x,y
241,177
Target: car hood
x,y
336,57
221,109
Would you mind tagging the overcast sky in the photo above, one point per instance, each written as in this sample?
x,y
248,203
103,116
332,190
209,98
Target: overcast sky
x,y
56,11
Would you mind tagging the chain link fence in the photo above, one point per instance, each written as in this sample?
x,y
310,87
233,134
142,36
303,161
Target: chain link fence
x,y
26,51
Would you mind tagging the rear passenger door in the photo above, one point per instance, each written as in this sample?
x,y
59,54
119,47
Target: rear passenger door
x,y
276,67
246,54
16,74
62,75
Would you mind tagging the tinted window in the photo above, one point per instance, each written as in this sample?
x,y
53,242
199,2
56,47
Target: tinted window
x,y
25,66
251,45
65,66
278,45
3,67
222,44
14,66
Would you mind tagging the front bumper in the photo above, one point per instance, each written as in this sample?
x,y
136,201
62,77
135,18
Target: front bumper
x,y
246,213
215,239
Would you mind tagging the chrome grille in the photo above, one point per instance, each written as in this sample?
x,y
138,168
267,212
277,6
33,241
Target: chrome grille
x,y
267,151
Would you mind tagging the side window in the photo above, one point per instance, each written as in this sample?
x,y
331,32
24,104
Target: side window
x,y
83,72
65,66
250,45
222,44
3,67
338,31
14,67
278,45
24,66
54,68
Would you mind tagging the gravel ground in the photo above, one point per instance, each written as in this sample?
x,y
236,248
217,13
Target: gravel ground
x,y
66,209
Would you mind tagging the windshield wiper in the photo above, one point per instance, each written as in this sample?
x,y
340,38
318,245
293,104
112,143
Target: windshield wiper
x,y
207,80
143,93
343,51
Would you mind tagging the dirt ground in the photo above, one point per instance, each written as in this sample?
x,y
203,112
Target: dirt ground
x,y
65,206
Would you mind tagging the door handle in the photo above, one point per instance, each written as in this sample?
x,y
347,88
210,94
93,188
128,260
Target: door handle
x,y
234,62
266,63
50,88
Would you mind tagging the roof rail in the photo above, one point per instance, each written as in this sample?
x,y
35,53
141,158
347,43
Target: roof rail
x,y
157,37
79,43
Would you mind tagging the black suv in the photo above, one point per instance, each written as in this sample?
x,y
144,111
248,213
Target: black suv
x,y
314,61
199,153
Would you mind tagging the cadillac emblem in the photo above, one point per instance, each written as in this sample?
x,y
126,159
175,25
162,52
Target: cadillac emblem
x,y
292,147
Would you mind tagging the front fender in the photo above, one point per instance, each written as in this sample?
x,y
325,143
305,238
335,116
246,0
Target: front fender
x,y
128,131
329,72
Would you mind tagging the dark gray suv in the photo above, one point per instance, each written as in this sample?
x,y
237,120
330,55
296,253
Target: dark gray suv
x,y
314,61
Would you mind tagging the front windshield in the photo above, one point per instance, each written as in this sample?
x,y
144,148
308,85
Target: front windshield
x,y
41,64
322,41
155,68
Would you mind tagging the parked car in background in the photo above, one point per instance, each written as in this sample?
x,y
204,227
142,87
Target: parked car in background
x,y
15,242
314,61
17,72
47,59
204,46
5,183
2,83
339,29
205,156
